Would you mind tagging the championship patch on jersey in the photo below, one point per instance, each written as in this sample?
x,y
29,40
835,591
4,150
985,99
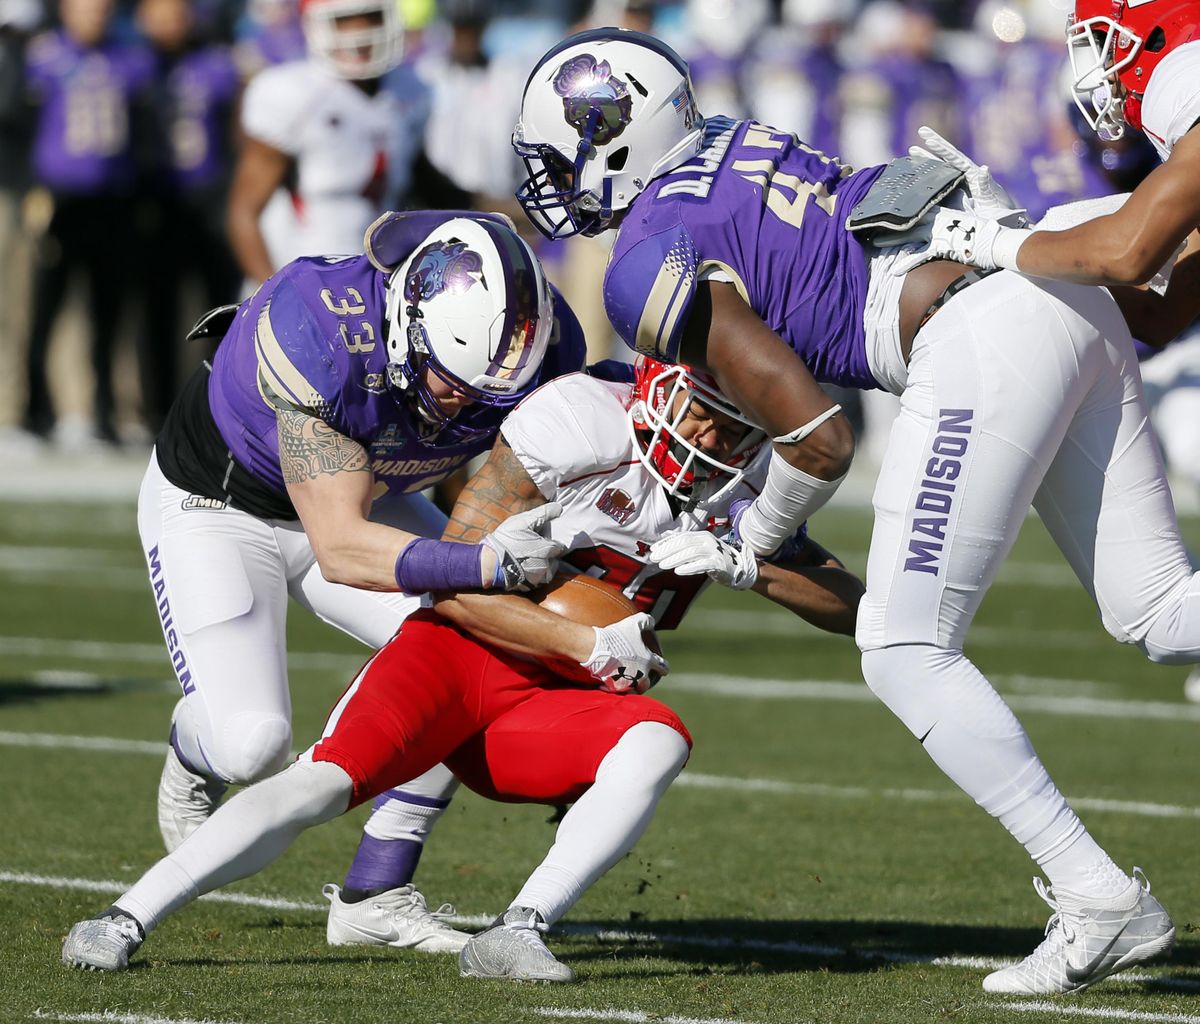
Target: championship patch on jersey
x,y
617,505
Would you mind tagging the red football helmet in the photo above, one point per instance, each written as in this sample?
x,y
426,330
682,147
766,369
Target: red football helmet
x,y
662,396
1115,45
359,52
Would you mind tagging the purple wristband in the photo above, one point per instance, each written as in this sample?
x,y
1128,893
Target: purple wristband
x,y
428,564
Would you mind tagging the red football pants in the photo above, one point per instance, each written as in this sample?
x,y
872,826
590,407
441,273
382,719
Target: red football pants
x,y
508,728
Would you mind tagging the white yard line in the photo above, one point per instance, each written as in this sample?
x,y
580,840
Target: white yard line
x,y
698,780
744,687
106,886
153,653
118,1017
629,1016
741,687
1094,1012
765,622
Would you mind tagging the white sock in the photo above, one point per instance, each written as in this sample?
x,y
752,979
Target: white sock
x,y
608,819
974,737
245,835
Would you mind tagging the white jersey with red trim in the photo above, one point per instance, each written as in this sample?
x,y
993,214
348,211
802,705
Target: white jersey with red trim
x,y
1171,104
573,438
346,145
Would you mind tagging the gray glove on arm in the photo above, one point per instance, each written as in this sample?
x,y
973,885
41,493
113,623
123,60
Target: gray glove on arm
x,y
527,558
622,661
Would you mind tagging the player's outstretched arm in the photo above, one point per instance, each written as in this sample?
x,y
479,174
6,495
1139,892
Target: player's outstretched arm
x,y
330,483
1159,319
1129,246
816,586
502,488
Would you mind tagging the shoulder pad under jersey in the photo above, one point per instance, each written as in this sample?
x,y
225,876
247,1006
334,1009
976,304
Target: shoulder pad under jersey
x,y
649,286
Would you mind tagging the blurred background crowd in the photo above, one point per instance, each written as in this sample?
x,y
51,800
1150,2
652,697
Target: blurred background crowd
x,y
160,157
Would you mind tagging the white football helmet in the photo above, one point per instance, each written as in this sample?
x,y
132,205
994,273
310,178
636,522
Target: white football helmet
x,y
471,305
604,113
361,52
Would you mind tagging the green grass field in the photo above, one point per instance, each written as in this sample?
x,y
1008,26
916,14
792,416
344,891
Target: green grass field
x,y
810,864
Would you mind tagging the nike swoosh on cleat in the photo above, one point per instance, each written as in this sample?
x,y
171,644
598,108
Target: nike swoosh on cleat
x,y
386,936
1078,974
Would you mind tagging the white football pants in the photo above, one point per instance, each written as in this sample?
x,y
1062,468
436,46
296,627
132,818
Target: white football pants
x,y
1025,393
221,579
1018,393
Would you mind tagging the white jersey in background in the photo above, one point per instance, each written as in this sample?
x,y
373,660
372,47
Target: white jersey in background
x,y
1171,105
353,153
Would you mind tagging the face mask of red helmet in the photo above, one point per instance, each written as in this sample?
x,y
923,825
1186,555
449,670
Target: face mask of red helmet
x,y
662,397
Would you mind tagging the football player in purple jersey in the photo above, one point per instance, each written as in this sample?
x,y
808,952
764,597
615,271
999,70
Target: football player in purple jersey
x,y
734,254
85,81
341,389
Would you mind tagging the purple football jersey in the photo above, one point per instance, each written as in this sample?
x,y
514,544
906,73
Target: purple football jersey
x,y
768,211
195,108
312,335
82,143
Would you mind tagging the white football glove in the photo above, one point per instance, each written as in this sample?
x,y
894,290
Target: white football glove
x,y
621,660
988,198
966,238
696,552
526,557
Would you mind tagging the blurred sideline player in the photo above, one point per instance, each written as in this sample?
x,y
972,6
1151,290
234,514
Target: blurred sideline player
x,y
733,250
329,141
628,464
342,389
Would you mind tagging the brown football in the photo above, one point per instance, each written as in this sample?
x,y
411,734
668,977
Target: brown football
x,y
585,599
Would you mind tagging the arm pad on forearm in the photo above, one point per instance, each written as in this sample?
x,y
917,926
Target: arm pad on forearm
x,y
788,498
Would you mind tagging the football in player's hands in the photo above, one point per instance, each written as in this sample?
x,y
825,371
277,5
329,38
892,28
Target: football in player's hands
x,y
593,602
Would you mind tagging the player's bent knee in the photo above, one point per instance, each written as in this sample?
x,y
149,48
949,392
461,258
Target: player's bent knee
x,y
649,753
253,746
901,677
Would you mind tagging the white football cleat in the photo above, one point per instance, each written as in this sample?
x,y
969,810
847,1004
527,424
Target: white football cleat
x,y
398,917
1087,940
185,800
103,943
513,949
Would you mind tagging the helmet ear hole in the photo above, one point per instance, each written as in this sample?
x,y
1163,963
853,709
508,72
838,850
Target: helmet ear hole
x,y
617,158
1156,41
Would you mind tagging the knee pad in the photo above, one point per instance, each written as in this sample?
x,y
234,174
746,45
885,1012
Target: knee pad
x,y
648,752
900,677
922,684
252,746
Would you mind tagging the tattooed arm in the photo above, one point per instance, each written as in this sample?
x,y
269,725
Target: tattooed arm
x,y
329,480
500,489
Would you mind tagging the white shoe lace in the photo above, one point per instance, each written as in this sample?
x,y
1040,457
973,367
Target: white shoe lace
x,y
529,931
408,903
127,928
